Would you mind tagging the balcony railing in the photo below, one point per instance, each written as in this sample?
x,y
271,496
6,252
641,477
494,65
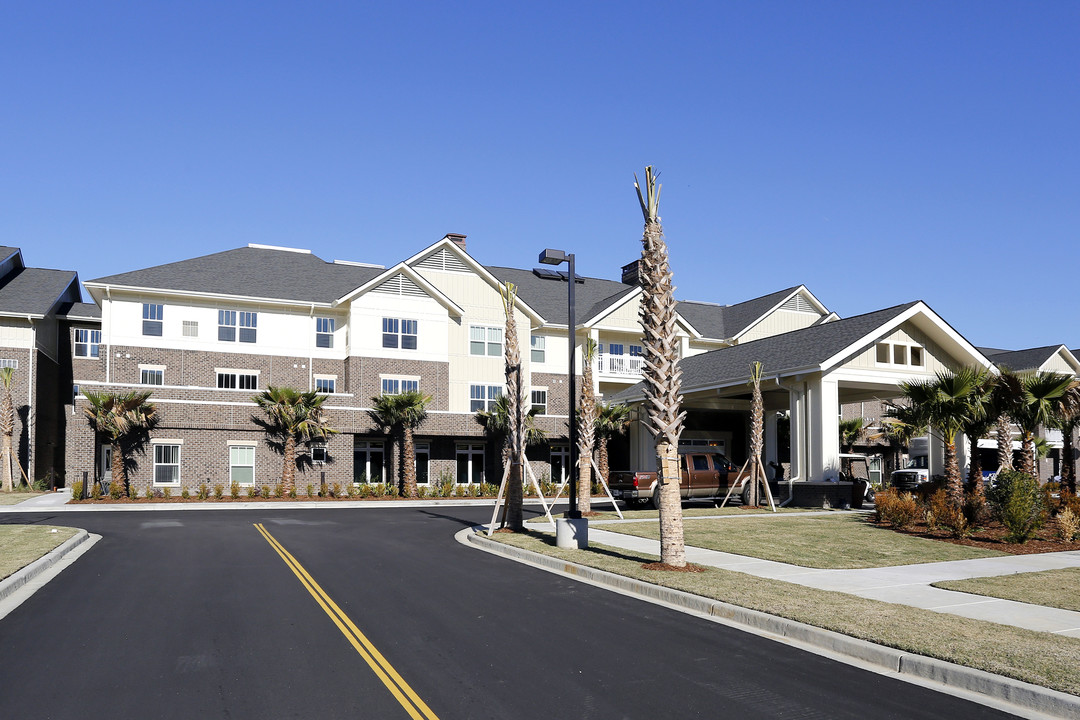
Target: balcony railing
x,y
623,365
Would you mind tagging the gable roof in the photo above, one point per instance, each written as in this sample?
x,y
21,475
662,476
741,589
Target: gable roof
x,y
548,297
6,252
408,275
34,291
252,272
78,311
1029,359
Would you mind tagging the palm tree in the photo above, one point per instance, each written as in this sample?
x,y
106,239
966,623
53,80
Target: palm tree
x,y
123,418
292,416
660,369
611,419
757,430
850,432
982,417
586,420
1008,391
1068,421
514,519
400,415
946,403
7,426
497,424
1042,396
900,425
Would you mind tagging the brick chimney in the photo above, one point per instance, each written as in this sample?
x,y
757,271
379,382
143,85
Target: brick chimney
x,y
456,238
631,274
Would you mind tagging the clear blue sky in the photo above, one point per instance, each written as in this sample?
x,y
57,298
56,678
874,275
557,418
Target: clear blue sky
x,y
878,152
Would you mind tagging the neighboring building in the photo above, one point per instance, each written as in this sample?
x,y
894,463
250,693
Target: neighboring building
x,y
32,306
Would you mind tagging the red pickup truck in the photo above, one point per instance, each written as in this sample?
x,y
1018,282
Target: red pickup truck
x,y
704,475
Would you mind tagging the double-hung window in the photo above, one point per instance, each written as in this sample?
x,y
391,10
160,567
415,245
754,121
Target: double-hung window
x,y
87,343
539,345
396,386
152,315
485,340
324,332
242,464
483,397
237,380
539,401
325,383
399,333
151,375
166,464
226,320
229,320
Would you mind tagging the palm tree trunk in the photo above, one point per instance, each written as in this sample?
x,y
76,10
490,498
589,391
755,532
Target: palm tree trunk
x,y
118,471
602,458
288,466
8,477
975,472
954,484
1027,454
672,544
408,463
1068,459
1004,442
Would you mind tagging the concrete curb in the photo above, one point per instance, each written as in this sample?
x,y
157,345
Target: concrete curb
x,y
20,578
980,686
255,505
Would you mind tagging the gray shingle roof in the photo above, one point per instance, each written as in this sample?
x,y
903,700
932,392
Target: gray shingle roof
x,y
33,291
6,252
790,351
548,297
1029,359
79,311
726,321
252,272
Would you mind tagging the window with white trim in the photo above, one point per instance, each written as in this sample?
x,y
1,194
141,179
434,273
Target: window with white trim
x,y
318,454
237,380
398,385
560,463
242,464
191,328
166,464
399,333
151,374
423,463
87,342
152,314
368,458
9,362
486,340
538,346
470,464
539,401
483,397
324,332
325,384
230,320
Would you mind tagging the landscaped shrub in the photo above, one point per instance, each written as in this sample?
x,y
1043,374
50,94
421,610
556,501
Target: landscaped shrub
x,y
897,509
77,490
1068,525
219,491
352,490
234,490
252,492
95,491
937,507
488,490
166,493
279,491
292,492
204,491
185,494
1018,502
365,490
117,490
149,493
133,492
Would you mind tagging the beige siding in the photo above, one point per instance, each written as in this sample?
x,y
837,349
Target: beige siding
x,y
1058,364
935,357
624,317
778,322
15,334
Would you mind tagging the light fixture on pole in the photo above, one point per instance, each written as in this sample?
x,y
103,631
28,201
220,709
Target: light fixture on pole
x,y
557,257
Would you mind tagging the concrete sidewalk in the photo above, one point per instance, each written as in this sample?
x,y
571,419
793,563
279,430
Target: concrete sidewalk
x,y
904,584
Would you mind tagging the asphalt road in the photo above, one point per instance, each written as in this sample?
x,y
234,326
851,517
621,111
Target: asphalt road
x,y
195,615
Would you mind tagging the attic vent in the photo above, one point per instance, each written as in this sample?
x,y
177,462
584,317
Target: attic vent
x,y
445,261
798,304
400,285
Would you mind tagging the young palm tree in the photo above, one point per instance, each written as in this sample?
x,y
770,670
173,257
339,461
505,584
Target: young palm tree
x,y
515,404
400,415
901,424
981,419
122,418
757,431
850,432
1068,421
292,416
497,424
7,427
660,369
1008,390
946,402
586,421
1043,393
611,419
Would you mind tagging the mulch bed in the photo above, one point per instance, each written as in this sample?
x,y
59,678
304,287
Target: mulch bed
x,y
664,567
992,537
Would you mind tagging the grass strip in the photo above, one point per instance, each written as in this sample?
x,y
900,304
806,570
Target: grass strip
x,y
16,497
1050,588
23,544
1035,657
696,511
832,542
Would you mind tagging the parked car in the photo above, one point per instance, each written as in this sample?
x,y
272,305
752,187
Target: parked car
x,y
704,475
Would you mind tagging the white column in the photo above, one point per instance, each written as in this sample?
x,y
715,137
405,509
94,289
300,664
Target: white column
x,y
797,410
824,415
770,438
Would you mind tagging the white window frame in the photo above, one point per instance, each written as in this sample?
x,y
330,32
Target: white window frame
x,y
906,348
488,339
400,333
12,363
485,394
91,344
538,348
366,447
422,448
471,451
397,384
163,443
236,382
241,445
532,399
151,371
153,319
324,379
324,332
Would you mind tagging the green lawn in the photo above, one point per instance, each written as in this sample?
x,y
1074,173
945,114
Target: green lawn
x,y
691,511
23,544
14,498
1041,658
841,541
1051,588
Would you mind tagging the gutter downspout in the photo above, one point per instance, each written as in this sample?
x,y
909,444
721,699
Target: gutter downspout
x,y
310,363
30,414
108,355
793,478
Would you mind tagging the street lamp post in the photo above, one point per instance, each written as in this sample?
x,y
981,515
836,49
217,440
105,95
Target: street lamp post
x,y
557,257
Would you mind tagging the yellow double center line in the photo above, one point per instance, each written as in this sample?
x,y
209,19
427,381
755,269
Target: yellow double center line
x,y
400,689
